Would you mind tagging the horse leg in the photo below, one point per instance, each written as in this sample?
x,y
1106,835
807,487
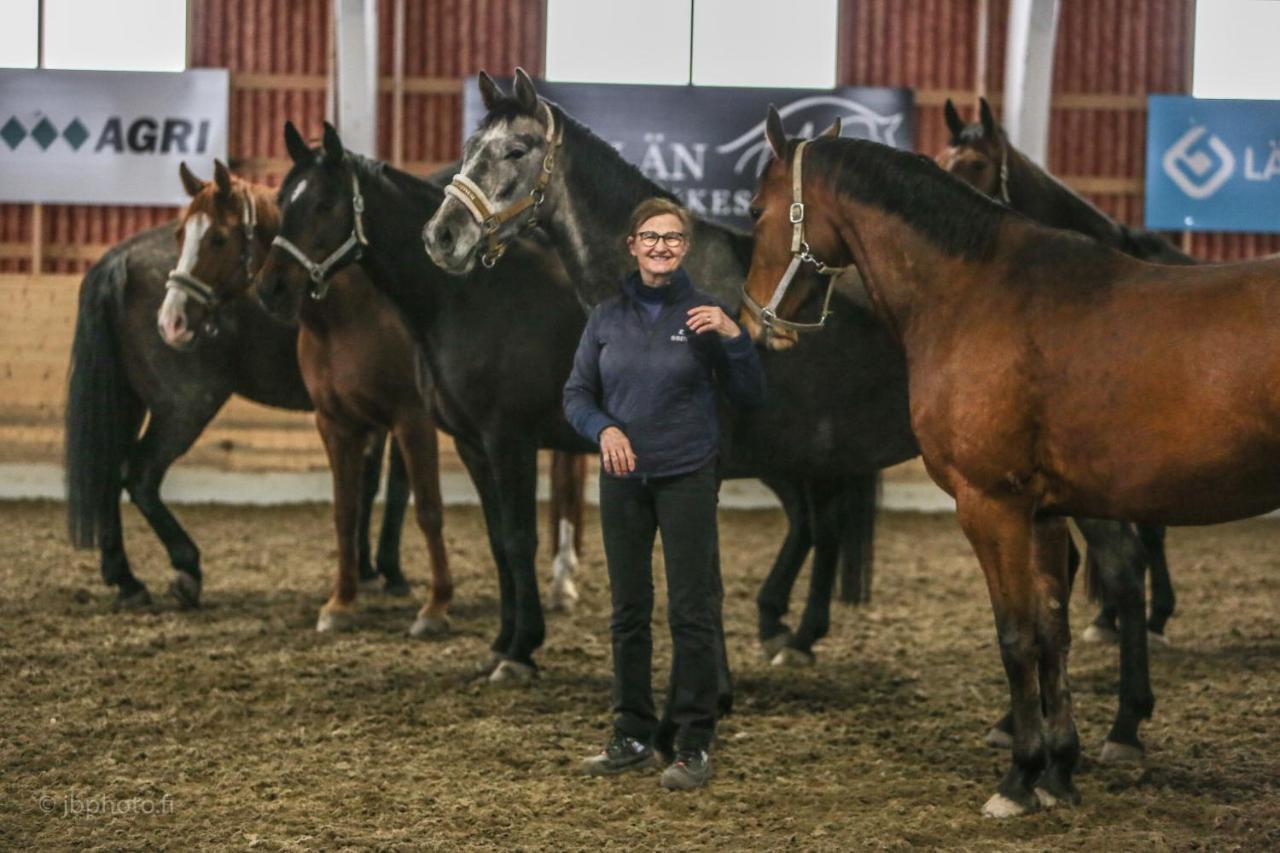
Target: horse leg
x,y
478,466
346,450
388,560
514,461
568,473
1000,532
168,435
1162,596
827,505
131,593
1102,630
857,529
369,483
1053,635
775,593
1120,564
416,437
1000,735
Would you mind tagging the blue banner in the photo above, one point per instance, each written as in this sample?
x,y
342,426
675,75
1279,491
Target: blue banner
x,y
706,143
1212,165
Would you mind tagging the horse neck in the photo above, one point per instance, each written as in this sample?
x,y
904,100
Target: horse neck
x,y
593,195
1038,195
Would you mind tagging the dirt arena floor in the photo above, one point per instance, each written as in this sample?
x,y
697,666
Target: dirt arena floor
x,y
238,727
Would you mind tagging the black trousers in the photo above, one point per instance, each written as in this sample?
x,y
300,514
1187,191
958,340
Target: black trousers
x,y
683,507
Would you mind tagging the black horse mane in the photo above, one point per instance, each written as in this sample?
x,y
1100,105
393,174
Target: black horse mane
x,y
954,216
614,180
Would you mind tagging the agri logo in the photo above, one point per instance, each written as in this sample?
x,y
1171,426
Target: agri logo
x,y
143,135
1199,170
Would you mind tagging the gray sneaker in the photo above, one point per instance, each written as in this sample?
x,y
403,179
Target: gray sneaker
x,y
621,754
691,769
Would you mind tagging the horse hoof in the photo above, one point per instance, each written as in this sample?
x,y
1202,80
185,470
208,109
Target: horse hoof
x,y
333,620
139,599
773,645
510,673
429,626
789,658
998,738
1121,753
185,589
1000,806
563,597
1157,641
1101,635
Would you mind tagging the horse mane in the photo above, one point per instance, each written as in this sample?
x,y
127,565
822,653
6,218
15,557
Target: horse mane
x,y
952,215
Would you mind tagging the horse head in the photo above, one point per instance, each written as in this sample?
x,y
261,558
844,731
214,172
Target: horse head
x,y
507,165
219,238
789,237
977,153
321,224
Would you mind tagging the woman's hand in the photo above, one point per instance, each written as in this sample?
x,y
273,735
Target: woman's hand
x,y
615,452
707,317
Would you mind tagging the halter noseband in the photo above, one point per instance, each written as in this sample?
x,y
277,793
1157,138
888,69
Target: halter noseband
x,y
800,254
201,292
481,208
349,252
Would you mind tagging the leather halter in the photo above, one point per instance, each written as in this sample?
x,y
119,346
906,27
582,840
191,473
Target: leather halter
x,y
481,208
800,254
1004,173
201,292
349,252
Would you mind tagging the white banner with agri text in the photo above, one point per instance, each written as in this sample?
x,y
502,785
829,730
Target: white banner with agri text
x,y
108,137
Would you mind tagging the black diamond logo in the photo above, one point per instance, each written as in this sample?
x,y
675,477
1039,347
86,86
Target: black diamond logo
x,y
75,134
44,133
13,132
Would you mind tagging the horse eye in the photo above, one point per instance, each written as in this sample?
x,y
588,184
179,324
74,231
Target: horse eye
x,y
516,153
755,213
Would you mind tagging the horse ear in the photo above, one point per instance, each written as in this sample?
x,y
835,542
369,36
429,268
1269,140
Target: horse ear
x,y
989,125
333,152
775,134
190,182
296,145
833,130
525,92
954,123
490,94
222,177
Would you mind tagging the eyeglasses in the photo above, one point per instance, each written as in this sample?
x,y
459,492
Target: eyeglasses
x,y
672,239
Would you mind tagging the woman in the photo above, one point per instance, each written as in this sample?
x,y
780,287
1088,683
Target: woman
x,y
644,388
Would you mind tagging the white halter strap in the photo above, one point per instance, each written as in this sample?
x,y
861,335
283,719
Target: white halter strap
x,y
349,251
200,291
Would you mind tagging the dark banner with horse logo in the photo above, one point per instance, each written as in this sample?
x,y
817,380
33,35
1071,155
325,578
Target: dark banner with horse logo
x,y
706,143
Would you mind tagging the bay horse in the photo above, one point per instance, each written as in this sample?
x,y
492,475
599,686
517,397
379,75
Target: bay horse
x,y
1050,376
828,485
981,155
360,367
496,382
122,376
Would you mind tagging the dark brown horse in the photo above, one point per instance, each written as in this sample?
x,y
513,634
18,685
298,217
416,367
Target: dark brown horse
x,y
359,364
1050,376
981,155
122,375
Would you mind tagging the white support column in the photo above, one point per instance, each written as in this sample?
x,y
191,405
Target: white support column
x,y
1028,75
357,72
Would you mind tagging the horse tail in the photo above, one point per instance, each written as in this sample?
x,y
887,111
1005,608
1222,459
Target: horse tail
x,y
99,423
857,552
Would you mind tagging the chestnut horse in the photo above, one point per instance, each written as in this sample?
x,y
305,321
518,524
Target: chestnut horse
x,y
362,370
981,155
1050,375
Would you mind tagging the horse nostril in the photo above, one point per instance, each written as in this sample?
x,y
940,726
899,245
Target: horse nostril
x,y
445,239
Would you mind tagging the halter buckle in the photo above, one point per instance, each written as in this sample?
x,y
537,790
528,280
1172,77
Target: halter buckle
x,y
797,212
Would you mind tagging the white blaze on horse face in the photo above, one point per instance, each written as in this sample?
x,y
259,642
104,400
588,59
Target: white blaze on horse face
x,y
298,190
173,311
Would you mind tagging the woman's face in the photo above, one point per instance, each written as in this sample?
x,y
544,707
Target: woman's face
x,y
660,259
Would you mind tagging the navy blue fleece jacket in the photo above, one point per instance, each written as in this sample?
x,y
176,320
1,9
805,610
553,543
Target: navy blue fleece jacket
x,y
656,380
